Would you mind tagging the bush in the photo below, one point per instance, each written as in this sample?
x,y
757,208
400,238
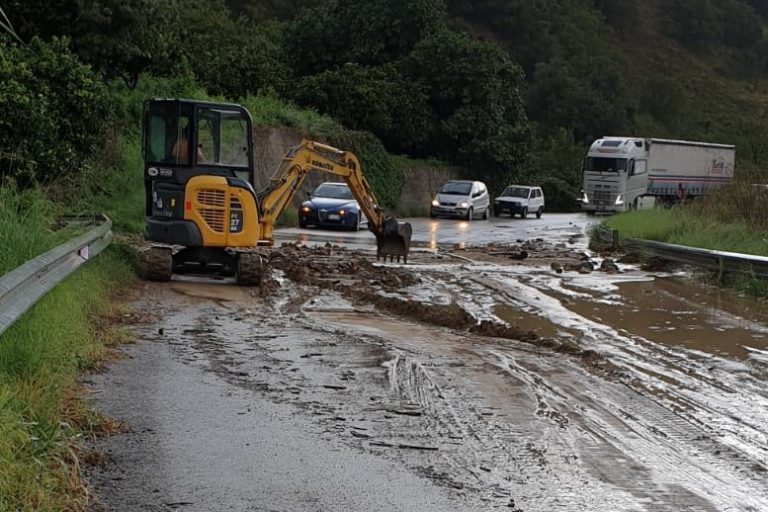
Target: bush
x,y
54,112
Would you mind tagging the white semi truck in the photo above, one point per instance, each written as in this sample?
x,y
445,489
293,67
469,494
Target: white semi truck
x,y
622,173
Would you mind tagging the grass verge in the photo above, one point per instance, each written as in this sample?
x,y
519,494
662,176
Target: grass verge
x,y
689,227
41,357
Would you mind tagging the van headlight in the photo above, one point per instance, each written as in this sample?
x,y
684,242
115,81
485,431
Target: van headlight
x,y
464,204
619,200
435,202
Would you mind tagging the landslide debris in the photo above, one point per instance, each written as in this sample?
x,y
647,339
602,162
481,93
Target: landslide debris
x,y
352,274
538,252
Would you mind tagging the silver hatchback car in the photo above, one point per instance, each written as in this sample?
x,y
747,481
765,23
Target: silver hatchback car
x,y
461,198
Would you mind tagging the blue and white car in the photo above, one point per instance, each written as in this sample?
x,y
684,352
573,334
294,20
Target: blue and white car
x,y
332,205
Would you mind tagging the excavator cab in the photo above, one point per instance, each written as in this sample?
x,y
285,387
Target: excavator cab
x,y
198,177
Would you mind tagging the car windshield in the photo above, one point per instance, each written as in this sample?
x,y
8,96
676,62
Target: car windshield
x,y
333,191
516,192
458,188
600,164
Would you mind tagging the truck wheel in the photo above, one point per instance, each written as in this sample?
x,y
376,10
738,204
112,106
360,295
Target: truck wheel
x,y
524,213
538,213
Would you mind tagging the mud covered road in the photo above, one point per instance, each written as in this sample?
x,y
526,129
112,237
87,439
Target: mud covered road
x,y
474,378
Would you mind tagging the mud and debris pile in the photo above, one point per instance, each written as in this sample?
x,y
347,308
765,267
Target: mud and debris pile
x,y
538,252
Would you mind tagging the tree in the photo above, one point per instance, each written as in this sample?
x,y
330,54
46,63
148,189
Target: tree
x,y
231,56
378,99
473,89
693,22
586,95
54,112
365,32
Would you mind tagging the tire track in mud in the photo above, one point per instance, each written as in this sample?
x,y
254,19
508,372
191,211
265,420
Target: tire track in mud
x,y
668,377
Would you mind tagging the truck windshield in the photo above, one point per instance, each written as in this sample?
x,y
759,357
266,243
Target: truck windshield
x,y
600,164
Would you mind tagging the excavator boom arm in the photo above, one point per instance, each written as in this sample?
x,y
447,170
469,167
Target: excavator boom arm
x,y
393,238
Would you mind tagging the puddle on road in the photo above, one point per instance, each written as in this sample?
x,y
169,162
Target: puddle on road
x,y
679,312
527,321
223,291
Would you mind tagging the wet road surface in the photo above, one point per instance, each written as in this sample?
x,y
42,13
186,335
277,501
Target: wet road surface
x,y
434,233
632,391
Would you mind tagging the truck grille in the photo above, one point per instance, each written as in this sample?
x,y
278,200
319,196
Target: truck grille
x,y
601,196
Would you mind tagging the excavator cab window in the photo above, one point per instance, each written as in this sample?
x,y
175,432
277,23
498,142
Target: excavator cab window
x,y
222,137
187,133
167,131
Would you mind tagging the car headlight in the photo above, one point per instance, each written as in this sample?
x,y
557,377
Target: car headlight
x,y
435,202
464,204
306,209
342,212
619,200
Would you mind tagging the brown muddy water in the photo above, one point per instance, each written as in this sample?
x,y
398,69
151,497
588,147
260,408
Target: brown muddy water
x,y
676,311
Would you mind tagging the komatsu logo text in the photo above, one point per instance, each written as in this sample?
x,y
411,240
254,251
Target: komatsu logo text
x,y
322,165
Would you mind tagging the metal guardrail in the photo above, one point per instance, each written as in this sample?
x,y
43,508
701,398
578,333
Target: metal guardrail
x,y
604,239
720,261
22,287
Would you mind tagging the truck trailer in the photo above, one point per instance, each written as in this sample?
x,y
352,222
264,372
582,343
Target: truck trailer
x,y
623,173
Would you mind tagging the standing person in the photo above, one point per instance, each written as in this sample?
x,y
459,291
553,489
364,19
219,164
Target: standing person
x,y
680,194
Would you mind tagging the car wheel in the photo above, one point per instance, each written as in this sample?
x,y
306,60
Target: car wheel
x,y
524,213
302,223
538,213
485,214
356,227
470,214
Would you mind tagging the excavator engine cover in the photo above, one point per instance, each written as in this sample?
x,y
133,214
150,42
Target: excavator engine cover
x,y
394,240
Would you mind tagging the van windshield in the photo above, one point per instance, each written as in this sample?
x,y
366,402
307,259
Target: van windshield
x,y
516,192
456,188
600,164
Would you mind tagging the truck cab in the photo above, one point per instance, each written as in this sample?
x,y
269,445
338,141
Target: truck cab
x,y
615,174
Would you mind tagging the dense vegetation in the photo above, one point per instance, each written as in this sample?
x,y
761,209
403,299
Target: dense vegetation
x,y
507,89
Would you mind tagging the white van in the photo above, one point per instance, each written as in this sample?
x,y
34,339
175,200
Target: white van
x,y
463,199
520,199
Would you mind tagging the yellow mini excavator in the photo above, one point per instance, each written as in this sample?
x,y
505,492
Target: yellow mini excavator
x,y
202,212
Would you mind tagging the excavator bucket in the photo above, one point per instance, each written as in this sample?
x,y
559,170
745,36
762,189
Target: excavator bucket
x,y
394,240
